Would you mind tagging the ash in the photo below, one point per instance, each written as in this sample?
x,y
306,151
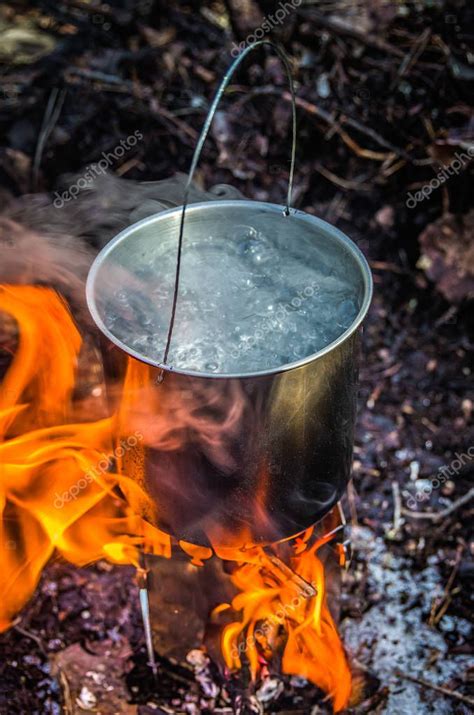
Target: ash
x,y
394,632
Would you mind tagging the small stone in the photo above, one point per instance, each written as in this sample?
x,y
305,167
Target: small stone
x,y
86,699
270,690
323,86
197,658
385,217
466,407
448,489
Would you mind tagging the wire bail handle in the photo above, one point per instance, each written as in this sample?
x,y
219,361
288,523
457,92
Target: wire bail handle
x,y
197,154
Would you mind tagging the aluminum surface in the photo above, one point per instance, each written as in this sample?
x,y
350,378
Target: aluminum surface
x,y
235,458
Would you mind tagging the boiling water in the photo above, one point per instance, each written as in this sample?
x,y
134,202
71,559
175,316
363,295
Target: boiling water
x,y
248,301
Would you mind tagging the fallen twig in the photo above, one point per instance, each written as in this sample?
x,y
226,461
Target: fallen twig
x,y
410,59
367,153
33,636
339,27
438,516
336,124
386,266
50,118
440,606
397,508
339,181
103,9
438,688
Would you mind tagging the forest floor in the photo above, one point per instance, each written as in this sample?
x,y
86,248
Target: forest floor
x,y
383,93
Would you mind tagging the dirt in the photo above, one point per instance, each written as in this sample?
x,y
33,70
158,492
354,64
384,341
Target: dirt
x,y
383,94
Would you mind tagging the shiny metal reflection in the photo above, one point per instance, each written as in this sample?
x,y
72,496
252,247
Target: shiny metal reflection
x,y
229,457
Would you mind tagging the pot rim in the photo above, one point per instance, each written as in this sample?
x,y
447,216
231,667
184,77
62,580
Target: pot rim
x,y
325,227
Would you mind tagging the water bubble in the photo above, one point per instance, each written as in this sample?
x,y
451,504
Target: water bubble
x,y
346,312
299,352
252,246
247,301
240,233
122,296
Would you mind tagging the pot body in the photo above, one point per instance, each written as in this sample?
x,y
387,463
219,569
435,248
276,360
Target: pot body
x,y
237,458
258,459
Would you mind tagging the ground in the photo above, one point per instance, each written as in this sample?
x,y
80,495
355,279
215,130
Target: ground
x,y
383,95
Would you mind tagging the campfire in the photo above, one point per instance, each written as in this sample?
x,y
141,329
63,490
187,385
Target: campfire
x,y
172,532
215,469
65,491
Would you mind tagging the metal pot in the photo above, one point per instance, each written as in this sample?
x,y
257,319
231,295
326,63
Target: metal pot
x,y
249,456
228,459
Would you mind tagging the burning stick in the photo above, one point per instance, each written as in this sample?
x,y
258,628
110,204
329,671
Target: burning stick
x,y
305,589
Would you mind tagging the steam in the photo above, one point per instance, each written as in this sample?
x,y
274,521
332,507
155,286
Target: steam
x,y
45,245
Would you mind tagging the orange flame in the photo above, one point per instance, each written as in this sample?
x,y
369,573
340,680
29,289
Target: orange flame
x,y
65,489
286,609
55,478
